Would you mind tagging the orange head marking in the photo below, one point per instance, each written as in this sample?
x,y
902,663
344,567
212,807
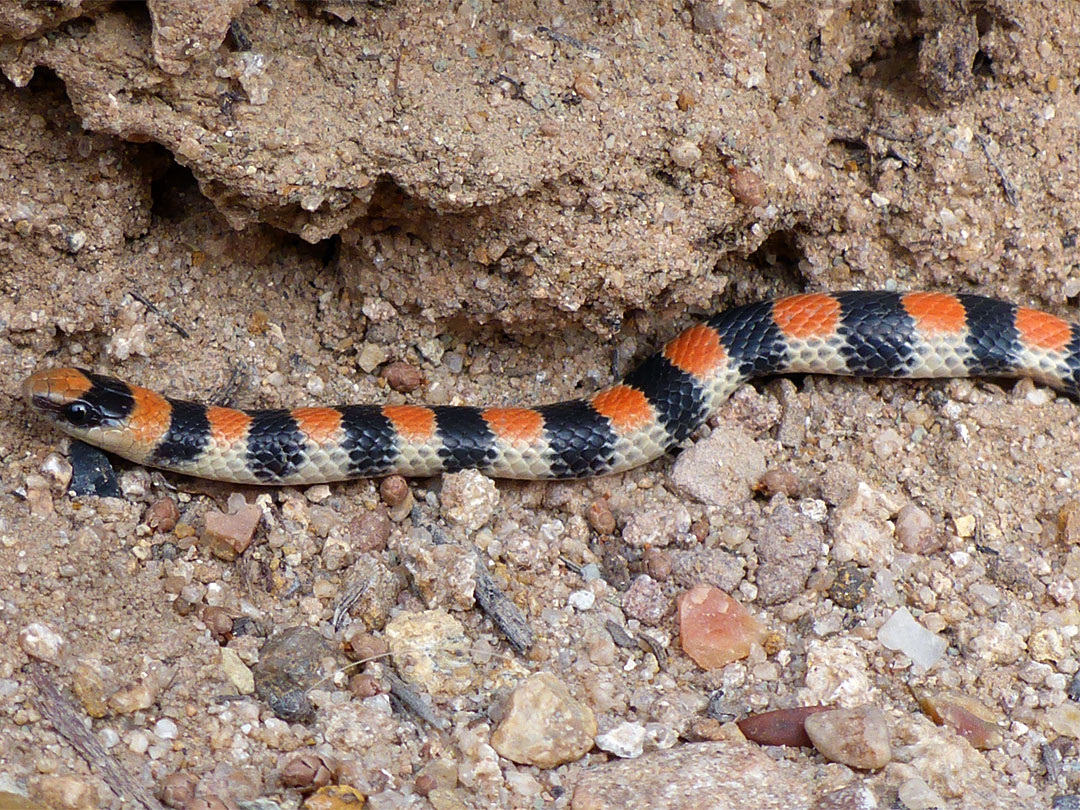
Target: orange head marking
x,y
89,406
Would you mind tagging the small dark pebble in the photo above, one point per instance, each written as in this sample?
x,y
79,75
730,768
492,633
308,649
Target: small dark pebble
x,y
851,587
290,663
91,472
619,635
1066,801
292,707
164,551
1074,687
245,626
721,707
615,569
780,727
177,790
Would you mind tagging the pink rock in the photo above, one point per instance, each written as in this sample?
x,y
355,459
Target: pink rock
x,y
715,629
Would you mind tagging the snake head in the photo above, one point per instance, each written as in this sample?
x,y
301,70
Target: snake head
x,y
85,405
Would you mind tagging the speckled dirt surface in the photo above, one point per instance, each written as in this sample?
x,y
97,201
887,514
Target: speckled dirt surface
x,y
520,199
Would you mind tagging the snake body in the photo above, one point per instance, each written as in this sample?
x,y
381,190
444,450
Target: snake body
x,y
656,407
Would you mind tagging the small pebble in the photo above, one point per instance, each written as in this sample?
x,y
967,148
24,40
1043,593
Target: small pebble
x,y
966,716
218,622
402,377
626,740
177,790
686,100
714,628
58,468
92,473
581,600
238,673
66,793
394,489
290,663
915,531
746,186
40,641
370,531
657,563
901,632
468,499
685,153
335,797
915,794
851,585
430,649
162,515
306,771
165,729
364,686
779,482
360,645
858,738
600,517
543,724
1069,523
229,535
646,601
134,698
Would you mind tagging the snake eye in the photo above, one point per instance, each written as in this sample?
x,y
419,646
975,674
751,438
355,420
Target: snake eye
x,y
81,414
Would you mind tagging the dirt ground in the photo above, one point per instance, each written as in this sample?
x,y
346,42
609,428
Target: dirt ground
x,y
269,202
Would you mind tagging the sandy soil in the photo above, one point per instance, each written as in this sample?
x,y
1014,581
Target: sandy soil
x,y
520,200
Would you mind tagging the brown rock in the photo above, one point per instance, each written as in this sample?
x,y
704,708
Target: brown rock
x,y
177,790
780,727
306,771
162,515
601,518
370,531
393,489
361,645
228,535
218,622
402,377
779,481
88,684
715,629
364,685
746,186
66,793
1069,523
657,563
966,716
